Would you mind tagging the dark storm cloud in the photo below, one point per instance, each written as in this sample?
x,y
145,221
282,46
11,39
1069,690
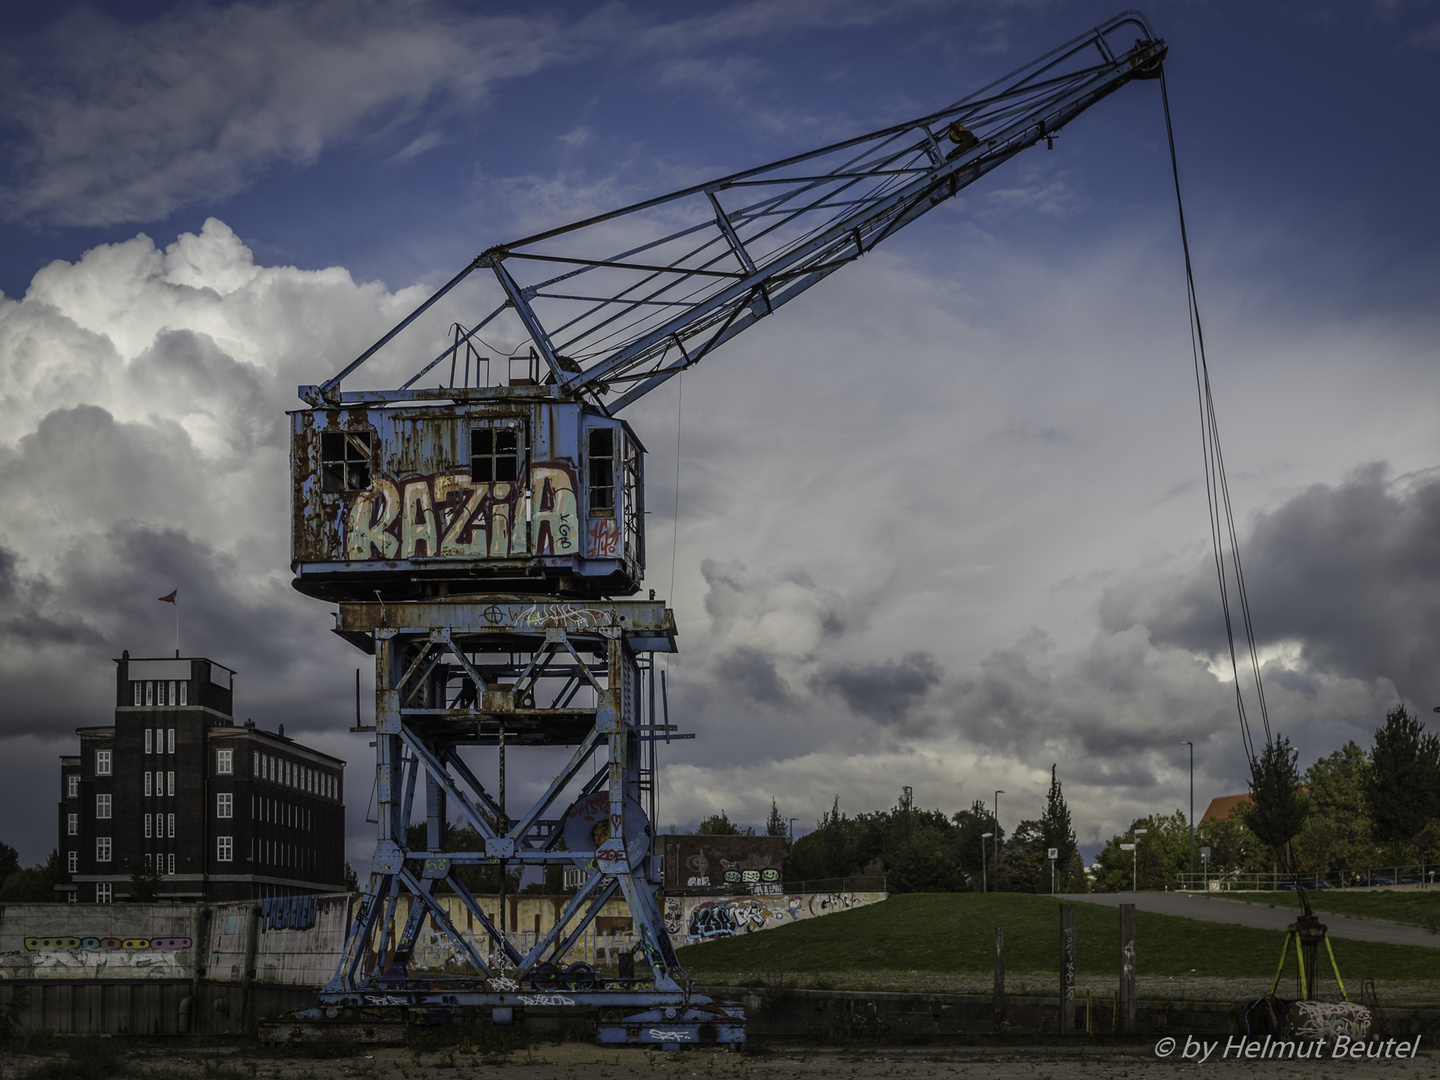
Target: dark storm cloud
x,y
751,673
1350,574
886,691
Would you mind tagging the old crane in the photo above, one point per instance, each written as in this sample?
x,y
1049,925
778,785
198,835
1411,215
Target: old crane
x,y
482,539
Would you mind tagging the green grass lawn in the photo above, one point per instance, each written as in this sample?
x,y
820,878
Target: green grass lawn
x,y
955,933
1418,908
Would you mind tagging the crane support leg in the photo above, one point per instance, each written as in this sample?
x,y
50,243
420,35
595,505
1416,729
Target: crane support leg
x,y
466,688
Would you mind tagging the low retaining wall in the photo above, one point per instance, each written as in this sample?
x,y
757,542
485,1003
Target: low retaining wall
x,y
690,920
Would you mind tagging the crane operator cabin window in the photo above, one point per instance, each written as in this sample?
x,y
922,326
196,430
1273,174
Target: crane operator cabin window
x,y
601,459
494,455
344,460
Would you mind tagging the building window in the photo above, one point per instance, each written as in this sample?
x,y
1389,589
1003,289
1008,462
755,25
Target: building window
x,y
224,804
149,749
170,741
149,693
170,863
102,762
224,848
601,462
102,892
147,784
102,807
102,849
72,860
147,826
173,696
138,692
255,763
72,785
184,693
169,783
170,825
72,824
494,456
223,759
344,460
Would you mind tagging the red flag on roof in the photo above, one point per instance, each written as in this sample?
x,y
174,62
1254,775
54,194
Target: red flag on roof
x,y
171,598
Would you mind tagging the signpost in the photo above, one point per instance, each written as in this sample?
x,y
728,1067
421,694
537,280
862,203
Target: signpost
x,y
1054,854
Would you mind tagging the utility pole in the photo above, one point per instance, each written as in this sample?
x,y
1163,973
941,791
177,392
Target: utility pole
x,y
983,837
997,839
1135,861
1191,745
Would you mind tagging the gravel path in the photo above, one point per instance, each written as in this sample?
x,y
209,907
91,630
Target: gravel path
x,y
1261,916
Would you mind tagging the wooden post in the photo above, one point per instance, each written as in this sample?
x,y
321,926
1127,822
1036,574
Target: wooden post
x,y
999,976
1067,969
1127,964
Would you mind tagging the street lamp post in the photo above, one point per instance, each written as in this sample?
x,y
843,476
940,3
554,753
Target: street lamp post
x,y
983,837
1135,861
1191,745
997,839
792,829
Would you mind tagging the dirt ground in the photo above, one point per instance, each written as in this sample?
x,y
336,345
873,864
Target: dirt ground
x,y
588,1062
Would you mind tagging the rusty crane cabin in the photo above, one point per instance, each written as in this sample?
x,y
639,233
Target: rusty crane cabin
x,y
542,496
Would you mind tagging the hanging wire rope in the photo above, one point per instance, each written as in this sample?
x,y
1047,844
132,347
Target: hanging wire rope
x,y
1217,488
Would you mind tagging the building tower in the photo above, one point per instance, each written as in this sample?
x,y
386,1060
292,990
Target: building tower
x,y
206,808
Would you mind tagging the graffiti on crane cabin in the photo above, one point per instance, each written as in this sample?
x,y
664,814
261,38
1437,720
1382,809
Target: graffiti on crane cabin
x,y
449,515
603,539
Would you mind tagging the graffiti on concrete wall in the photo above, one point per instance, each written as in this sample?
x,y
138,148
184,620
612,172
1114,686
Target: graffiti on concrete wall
x,y
448,515
690,920
89,956
288,913
36,944
726,918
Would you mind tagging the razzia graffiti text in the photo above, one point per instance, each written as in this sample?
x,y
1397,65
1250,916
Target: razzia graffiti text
x,y
448,515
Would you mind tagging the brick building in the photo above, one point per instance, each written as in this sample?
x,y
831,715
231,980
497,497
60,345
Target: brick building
x,y
220,811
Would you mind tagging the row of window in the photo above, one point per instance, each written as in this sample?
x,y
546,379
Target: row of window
x,y
264,766
164,783
224,848
156,693
301,777
164,824
280,813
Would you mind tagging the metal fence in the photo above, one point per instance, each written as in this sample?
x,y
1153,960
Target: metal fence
x,y
1417,874
859,883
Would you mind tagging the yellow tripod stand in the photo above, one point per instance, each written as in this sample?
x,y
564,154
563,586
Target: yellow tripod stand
x,y
1308,933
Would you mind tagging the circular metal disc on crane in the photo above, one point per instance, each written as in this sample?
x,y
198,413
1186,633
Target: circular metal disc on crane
x,y
589,828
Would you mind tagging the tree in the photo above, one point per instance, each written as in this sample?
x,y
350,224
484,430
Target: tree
x,y
1233,847
1024,863
1160,855
1055,826
971,846
35,885
1337,835
1403,785
775,824
9,862
1277,808
720,825
352,882
144,879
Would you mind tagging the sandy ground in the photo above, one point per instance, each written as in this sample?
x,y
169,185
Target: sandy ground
x,y
593,1063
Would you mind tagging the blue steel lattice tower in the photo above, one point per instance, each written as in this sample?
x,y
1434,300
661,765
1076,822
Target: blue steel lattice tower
x,y
480,539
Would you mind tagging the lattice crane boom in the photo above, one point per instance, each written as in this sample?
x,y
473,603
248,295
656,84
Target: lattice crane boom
x,y
616,304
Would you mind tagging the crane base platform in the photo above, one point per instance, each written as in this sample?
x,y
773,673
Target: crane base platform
x,y
389,1017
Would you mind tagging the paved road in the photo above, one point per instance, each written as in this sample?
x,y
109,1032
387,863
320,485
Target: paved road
x,y
1195,906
